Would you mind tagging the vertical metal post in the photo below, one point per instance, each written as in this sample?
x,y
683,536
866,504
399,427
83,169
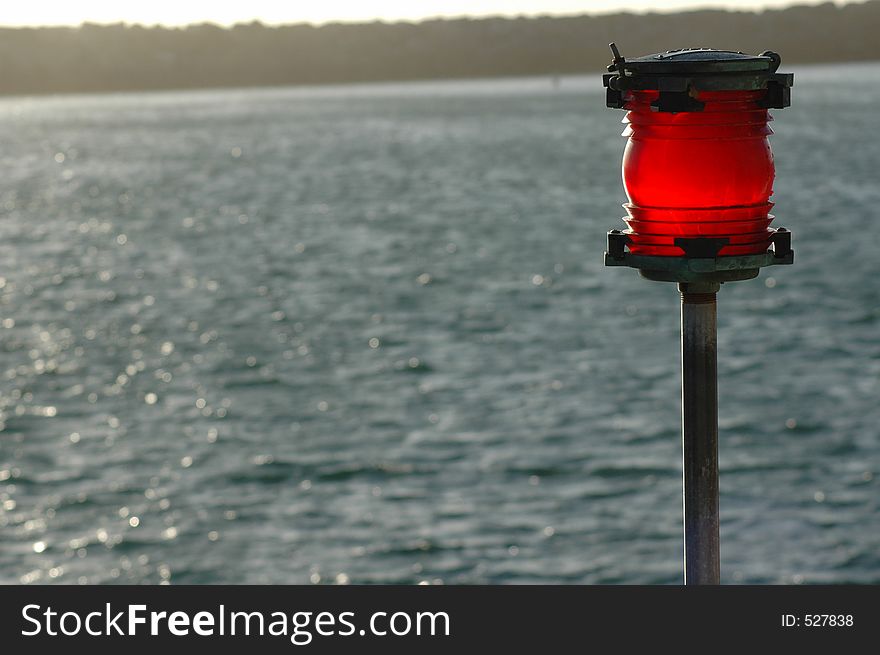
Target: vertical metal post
x,y
699,413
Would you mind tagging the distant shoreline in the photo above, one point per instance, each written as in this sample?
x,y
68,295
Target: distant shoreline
x,y
132,58
329,86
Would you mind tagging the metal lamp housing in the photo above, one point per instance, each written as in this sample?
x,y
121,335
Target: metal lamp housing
x,y
697,169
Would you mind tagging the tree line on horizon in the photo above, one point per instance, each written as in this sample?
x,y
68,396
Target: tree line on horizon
x,y
121,57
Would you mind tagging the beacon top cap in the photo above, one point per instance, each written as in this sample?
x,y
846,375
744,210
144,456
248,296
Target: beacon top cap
x,y
701,61
679,74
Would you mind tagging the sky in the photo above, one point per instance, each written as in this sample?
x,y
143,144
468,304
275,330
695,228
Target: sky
x,y
227,12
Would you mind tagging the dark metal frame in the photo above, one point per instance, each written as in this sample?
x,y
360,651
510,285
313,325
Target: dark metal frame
x,y
676,90
701,263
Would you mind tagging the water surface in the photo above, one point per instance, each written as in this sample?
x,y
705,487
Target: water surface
x,y
363,334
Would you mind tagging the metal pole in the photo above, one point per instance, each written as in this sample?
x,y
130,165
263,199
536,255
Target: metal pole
x,y
699,413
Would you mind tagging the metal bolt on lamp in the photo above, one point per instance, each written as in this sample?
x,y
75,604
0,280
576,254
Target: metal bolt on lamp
x,y
698,172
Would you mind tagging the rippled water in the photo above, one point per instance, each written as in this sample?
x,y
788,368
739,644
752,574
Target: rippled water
x,y
364,334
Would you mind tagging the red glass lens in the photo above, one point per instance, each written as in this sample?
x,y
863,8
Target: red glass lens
x,y
698,174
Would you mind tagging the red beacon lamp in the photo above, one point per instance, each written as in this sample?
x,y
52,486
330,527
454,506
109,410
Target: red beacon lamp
x,y
698,173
